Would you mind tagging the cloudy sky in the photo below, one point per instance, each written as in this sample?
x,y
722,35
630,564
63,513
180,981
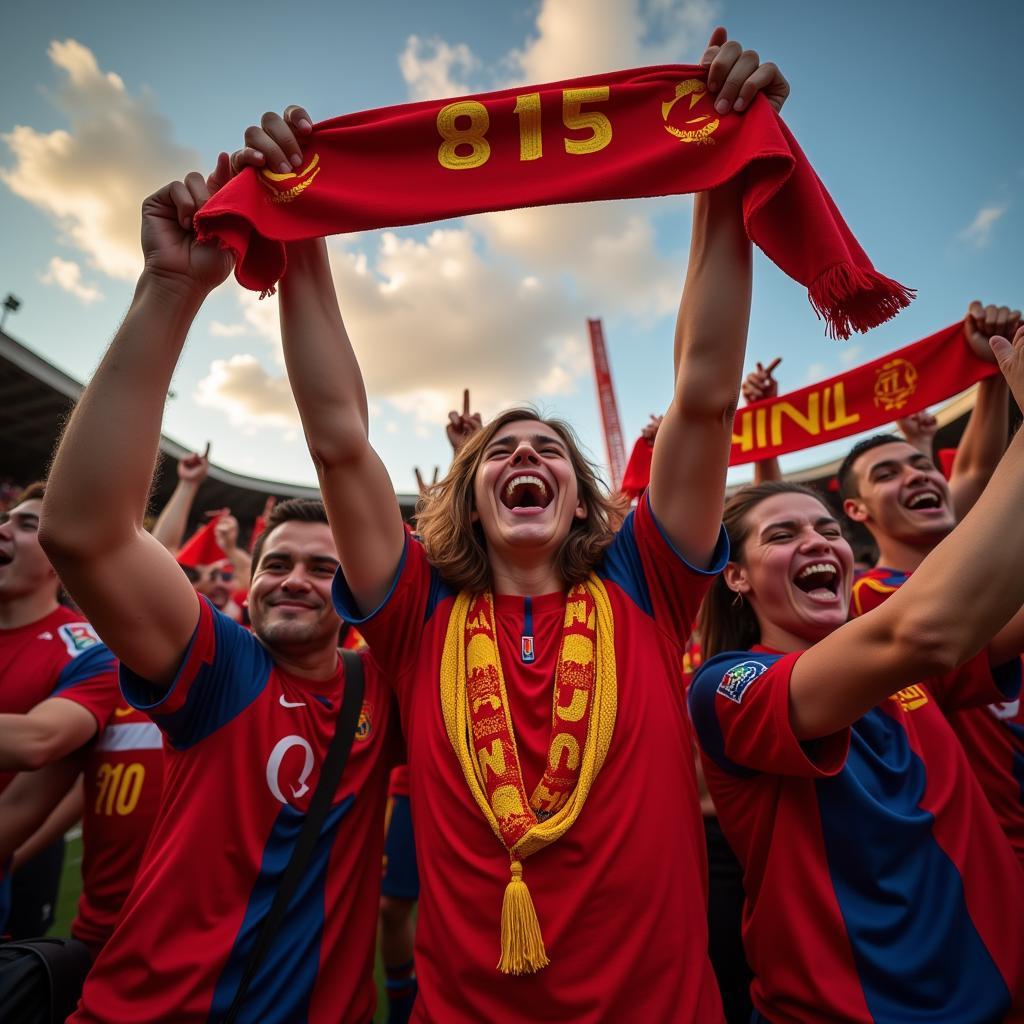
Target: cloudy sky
x,y
910,113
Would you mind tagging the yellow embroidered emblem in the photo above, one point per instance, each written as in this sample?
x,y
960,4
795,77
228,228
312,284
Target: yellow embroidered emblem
x,y
895,382
365,724
911,698
285,188
698,129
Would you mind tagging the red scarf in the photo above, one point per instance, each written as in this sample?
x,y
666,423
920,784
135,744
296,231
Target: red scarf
x,y
202,547
865,398
646,132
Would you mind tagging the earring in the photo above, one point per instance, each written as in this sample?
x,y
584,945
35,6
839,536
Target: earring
x,y
737,601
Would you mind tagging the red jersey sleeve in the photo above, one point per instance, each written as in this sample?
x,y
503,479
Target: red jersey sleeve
x,y
91,681
223,670
739,703
394,629
643,563
976,683
869,591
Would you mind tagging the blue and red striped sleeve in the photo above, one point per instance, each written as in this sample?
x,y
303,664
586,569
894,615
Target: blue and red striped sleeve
x,y
739,704
394,628
643,562
223,670
91,681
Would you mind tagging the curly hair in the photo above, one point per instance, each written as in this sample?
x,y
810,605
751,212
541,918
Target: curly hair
x,y
455,544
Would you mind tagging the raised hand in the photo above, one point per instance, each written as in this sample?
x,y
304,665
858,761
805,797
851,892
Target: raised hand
x,y
193,468
276,143
225,529
760,384
737,75
650,431
1010,359
168,242
462,426
919,429
421,484
983,322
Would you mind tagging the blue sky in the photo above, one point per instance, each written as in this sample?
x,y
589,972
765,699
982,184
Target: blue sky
x,y
910,113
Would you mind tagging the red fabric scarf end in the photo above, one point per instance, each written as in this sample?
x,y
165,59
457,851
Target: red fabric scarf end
x,y
850,298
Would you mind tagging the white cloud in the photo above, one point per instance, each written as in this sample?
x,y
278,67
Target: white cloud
x,y
93,177
430,67
242,388
222,330
421,336
852,355
585,37
67,274
979,232
815,372
608,250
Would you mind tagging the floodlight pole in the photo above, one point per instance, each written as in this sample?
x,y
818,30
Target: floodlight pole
x,y
11,305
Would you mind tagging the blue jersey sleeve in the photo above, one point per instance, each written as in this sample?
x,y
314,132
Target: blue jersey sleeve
x,y
90,680
642,562
977,683
394,629
739,704
224,669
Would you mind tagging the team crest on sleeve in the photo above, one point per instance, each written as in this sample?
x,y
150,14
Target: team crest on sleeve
x,y
735,682
78,637
365,724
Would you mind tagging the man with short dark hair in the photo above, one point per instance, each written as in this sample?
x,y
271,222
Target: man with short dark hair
x,y
247,717
44,647
899,495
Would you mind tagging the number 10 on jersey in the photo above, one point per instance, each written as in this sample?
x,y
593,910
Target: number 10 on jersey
x,y
463,128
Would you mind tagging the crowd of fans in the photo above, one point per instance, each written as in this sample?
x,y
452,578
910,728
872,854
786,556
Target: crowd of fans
x,y
553,688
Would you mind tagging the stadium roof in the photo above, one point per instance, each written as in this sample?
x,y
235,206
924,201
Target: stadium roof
x,y
35,400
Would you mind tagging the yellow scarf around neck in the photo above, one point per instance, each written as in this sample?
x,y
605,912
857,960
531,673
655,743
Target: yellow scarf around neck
x,y
474,703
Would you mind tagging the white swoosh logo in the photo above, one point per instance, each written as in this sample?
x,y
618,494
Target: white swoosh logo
x,y
291,704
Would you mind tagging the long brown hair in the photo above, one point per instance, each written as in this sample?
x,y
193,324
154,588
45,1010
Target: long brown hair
x,y
728,623
455,545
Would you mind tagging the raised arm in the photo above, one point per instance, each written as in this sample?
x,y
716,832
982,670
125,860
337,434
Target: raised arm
x,y
51,730
925,629
126,582
169,527
691,451
36,806
984,438
758,385
225,532
329,392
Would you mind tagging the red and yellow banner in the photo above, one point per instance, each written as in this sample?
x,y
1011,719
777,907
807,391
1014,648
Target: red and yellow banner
x,y
646,132
868,397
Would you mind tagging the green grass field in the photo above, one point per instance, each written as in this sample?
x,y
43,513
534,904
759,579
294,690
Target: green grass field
x,y
71,886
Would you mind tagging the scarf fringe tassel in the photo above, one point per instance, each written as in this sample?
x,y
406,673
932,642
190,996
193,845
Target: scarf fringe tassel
x,y
851,299
522,945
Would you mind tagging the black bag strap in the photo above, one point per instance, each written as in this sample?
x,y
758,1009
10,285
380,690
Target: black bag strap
x,y
319,805
65,963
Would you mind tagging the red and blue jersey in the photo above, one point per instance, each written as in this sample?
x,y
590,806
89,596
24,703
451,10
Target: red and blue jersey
x,y
37,659
60,649
992,737
244,745
123,771
621,896
878,882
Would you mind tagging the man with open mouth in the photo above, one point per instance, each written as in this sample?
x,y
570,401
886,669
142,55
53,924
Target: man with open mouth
x,y
534,641
899,495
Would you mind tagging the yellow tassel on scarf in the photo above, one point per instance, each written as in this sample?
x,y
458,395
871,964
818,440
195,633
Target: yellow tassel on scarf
x,y
474,703
522,945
